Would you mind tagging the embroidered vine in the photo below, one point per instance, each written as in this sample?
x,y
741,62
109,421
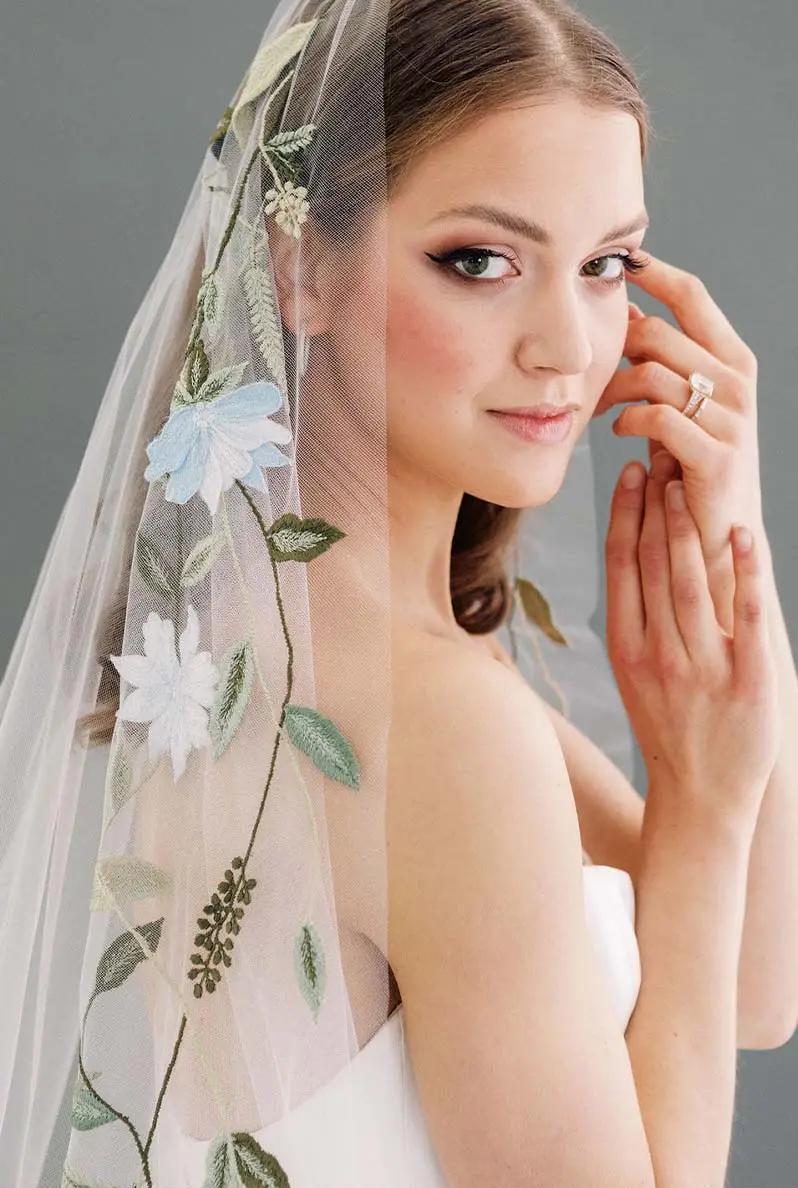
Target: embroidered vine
x,y
189,701
201,401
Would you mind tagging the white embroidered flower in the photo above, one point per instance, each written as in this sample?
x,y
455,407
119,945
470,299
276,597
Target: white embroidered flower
x,y
292,209
173,694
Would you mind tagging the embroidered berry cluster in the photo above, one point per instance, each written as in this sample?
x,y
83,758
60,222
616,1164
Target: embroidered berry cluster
x,y
222,913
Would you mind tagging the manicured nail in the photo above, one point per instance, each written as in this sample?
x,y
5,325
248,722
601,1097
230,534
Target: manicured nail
x,y
675,493
632,476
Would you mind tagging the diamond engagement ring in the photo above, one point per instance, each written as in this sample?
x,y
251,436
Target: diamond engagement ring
x,y
701,389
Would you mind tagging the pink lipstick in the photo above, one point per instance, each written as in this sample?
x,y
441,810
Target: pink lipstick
x,y
547,428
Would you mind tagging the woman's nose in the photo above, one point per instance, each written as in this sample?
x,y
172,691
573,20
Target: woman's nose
x,y
557,335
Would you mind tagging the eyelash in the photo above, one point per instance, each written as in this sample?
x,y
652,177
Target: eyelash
x,y
633,262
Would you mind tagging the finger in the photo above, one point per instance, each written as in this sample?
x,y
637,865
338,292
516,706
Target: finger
x,y
625,611
692,600
662,628
685,438
654,337
698,315
658,384
750,640
655,448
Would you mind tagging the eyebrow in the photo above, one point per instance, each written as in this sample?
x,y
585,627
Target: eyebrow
x,y
532,230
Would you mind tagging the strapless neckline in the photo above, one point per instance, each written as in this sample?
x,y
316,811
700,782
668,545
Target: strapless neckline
x,y
396,1148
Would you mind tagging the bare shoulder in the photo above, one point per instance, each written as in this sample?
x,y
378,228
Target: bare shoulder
x,y
413,648
609,807
466,731
445,690
509,1024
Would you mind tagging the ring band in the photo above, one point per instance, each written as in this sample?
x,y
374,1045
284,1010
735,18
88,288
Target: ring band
x,y
701,389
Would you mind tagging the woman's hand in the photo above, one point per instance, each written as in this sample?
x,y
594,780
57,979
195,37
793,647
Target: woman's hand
x,y
703,704
718,454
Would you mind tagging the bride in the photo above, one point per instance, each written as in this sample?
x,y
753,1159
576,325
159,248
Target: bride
x,y
368,910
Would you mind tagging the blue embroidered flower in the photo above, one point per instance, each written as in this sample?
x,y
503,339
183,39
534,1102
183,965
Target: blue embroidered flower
x,y
208,444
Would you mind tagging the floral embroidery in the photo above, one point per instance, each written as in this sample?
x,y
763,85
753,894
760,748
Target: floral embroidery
x,y
292,209
238,1158
218,435
117,880
208,444
235,684
286,196
270,59
309,962
173,694
223,913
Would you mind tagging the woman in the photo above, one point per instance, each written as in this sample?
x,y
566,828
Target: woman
x,y
341,932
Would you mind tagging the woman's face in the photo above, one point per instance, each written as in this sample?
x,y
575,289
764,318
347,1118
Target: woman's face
x,y
512,321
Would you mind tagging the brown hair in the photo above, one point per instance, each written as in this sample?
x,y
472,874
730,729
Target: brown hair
x,y
446,61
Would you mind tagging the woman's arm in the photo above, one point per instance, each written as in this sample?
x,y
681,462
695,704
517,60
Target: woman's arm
x,y
768,983
611,811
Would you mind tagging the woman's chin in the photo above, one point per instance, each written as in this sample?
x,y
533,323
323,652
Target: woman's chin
x,y
527,491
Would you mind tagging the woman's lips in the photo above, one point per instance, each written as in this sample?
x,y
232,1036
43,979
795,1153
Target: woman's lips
x,y
547,429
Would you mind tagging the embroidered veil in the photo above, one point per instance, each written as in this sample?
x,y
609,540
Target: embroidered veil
x,y
220,576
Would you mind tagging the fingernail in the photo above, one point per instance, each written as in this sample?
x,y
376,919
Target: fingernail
x,y
632,476
675,493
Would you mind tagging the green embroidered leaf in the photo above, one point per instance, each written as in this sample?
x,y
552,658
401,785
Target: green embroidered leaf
x,y
237,669
538,610
257,282
118,780
201,559
264,70
210,301
153,567
293,539
310,967
71,1179
88,1112
123,955
322,741
291,141
220,381
195,369
123,879
180,396
239,1161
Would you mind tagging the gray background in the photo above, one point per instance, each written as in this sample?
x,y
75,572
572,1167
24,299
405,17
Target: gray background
x,y
106,112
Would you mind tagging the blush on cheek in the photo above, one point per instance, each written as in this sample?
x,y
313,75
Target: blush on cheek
x,y
423,341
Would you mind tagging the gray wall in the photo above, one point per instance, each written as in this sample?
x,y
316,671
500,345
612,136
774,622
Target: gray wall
x,y
98,101
721,78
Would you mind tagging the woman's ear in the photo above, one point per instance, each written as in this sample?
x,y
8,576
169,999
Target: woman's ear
x,y
297,275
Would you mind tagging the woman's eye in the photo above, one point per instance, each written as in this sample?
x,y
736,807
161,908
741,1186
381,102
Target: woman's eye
x,y
629,262
478,263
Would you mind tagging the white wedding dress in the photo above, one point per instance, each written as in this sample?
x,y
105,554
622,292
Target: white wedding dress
x,y
396,1150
